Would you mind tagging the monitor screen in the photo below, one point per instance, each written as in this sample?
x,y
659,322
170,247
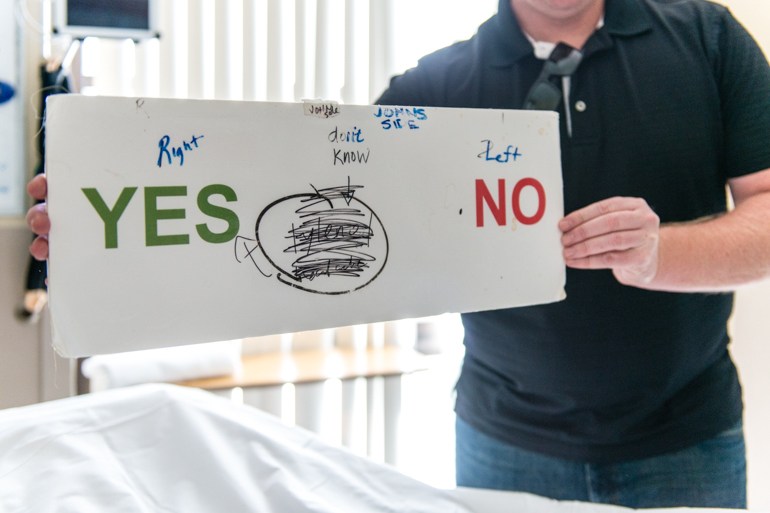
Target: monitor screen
x,y
133,19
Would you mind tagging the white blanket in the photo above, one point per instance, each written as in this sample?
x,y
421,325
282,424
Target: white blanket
x,y
163,365
169,449
162,449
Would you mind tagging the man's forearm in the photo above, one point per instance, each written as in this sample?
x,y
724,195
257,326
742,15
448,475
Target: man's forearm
x,y
717,254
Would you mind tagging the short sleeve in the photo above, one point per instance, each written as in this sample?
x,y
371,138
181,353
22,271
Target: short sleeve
x,y
744,80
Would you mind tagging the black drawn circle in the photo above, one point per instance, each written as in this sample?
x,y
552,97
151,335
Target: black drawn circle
x,y
287,277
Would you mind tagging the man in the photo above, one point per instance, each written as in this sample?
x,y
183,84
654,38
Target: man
x,y
624,392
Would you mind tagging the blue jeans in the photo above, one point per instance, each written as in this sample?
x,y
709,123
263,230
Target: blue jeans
x,y
711,474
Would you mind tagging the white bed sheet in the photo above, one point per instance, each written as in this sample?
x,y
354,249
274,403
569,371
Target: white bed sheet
x,y
162,448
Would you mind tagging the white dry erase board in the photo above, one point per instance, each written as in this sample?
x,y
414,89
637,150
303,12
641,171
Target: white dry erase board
x,y
185,221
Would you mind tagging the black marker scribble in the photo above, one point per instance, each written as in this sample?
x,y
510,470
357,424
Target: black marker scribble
x,y
247,247
330,238
332,243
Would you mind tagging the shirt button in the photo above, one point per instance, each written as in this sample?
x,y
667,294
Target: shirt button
x,y
580,106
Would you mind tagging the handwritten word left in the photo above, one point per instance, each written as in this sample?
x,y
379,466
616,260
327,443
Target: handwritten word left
x,y
510,154
168,153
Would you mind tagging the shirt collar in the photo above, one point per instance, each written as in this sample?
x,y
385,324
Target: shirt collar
x,y
543,49
624,18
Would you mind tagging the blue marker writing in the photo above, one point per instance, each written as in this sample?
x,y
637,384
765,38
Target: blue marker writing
x,y
168,153
511,153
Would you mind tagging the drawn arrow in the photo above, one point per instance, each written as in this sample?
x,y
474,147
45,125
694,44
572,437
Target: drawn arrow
x,y
348,195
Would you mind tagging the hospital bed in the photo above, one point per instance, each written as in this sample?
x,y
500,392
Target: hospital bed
x,y
166,448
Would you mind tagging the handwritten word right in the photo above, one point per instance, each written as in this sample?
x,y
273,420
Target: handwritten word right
x,y
168,153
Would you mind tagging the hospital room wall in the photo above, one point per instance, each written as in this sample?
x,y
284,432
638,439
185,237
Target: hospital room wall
x,y
19,355
30,372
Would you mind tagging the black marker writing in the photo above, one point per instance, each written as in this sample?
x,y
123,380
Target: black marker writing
x,y
332,243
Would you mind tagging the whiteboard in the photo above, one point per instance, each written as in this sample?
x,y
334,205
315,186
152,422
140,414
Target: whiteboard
x,y
185,221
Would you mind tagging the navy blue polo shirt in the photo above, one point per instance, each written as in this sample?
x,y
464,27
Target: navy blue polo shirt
x,y
674,100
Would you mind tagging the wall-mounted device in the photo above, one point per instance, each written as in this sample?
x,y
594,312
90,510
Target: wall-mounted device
x,y
126,19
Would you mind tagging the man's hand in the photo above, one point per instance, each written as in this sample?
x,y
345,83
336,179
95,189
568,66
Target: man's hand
x,y
621,234
37,217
